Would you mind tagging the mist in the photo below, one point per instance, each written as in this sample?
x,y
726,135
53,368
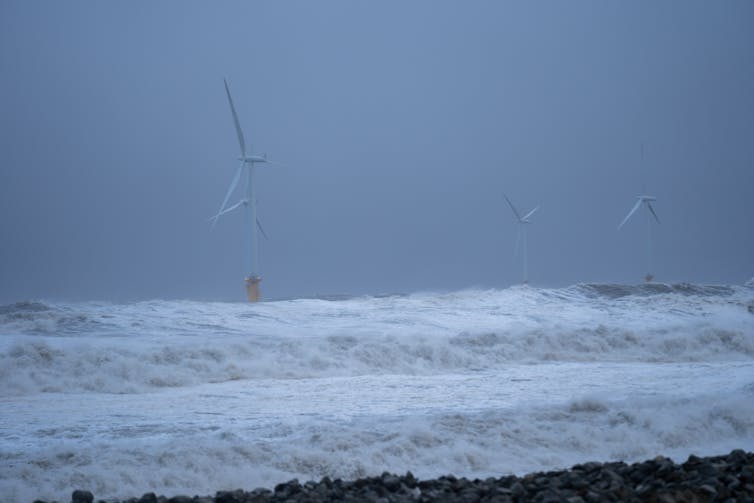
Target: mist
x,y
399,127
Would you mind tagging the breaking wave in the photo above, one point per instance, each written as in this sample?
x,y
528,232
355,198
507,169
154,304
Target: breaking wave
x,y
137,347
475,444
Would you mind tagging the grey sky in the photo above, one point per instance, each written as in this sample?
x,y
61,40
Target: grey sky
x,y
400,125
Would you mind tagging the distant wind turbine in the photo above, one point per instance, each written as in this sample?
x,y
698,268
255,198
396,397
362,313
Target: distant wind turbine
x,y
521,235
645,201
249,202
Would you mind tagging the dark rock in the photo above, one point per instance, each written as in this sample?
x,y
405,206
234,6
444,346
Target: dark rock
x,y
643,489
237,496
693,459
467,495
391,482
426,484
666,498
287,489
709,489
409,479
180,499
540,481
79,496
747,473
414,493
589,467
549,496
518,490
574,481
593,497
361,483
148,498
737,456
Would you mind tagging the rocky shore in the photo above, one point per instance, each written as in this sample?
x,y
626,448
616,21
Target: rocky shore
x,y
720,478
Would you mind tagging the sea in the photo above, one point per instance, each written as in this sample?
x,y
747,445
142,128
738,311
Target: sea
x,y
186,397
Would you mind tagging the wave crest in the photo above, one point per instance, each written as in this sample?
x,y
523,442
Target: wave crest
x,y
131,348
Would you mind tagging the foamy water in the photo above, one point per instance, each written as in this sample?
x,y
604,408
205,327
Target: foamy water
x,y
191,397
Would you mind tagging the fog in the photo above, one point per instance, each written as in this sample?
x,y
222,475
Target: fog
x,y
400,125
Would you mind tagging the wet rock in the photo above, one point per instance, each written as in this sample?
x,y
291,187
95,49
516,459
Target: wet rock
x,y
709,490
236,496
148,498
410,480
518,490
549,496
79,496
391,482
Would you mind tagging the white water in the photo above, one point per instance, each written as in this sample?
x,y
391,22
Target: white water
x,y
189,397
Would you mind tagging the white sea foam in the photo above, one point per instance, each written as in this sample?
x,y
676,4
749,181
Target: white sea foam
x,y
190,397
127,348
170,444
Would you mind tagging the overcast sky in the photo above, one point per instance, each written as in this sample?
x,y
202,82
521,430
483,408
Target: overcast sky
x,y
400,125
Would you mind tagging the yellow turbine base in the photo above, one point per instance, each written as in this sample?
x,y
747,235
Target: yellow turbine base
x,y
252,288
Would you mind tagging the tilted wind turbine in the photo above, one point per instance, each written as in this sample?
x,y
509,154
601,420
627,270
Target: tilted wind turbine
x,y
523,221
645,201
249,202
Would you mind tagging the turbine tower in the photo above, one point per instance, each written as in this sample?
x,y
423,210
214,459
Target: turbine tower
x,y
249,203
645,201
523,221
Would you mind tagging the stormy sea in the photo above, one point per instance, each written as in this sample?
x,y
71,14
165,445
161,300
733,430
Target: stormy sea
x,y
185,397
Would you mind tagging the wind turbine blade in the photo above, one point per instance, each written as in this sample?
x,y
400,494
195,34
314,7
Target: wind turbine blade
x,y
633,210
515,211
259,224
241,141
530,213
228,210
230,191
649,205
276,164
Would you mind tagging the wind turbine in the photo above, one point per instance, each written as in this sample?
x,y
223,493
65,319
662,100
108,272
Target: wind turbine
x,y
248,202
645,201
523,221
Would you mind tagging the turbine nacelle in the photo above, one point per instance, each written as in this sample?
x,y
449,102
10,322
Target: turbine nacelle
x,y
253,158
